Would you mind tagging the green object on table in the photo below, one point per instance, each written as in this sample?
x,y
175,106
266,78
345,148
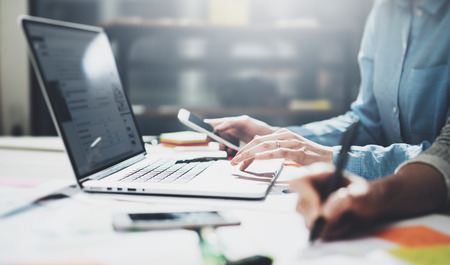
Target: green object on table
x,y
210,246
435,255
212,251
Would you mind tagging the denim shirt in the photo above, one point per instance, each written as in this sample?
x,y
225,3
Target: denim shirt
x,y
404,97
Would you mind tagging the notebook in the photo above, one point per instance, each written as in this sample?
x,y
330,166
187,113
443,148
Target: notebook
x,y
78,75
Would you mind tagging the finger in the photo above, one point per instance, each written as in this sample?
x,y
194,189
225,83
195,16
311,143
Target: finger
x,y
217,121
336,230
280,153
245,164
308,198
310,209
230,136
318,174
282,134
222,146
248,146
338,203
335,209
309,188
230,152
294,151
249,153
308,204
224,124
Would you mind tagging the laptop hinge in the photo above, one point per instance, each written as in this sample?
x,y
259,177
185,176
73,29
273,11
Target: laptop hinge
x,y
115,168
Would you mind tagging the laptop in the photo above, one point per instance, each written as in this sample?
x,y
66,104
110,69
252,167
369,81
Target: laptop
x,y
78,76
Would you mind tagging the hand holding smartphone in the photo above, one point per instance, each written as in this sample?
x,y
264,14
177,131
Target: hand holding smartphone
x,y
197,124
173,220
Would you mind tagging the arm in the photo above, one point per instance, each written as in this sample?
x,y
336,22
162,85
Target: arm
x,y
329,132
239,129
311,143
419,186
375,161
437,156
326,132
372,156
415,189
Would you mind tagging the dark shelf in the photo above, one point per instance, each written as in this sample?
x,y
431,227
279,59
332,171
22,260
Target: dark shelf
x,y
152,64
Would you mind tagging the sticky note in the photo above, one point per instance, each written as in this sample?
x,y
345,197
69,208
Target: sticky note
x,y
184,138
437,255
414,236
290,163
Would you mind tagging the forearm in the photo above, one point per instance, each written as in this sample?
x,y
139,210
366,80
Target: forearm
x,y
327,132
415,189
374,161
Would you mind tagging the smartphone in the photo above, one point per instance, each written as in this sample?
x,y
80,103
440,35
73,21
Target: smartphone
x,y
171,220
197,124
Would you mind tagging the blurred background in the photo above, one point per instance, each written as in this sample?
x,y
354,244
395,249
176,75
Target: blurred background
x,y
282,61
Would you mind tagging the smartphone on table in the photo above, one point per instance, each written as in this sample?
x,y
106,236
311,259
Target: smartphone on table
x,y
197,124
171,220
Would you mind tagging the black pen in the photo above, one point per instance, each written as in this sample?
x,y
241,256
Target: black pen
x,y
336,178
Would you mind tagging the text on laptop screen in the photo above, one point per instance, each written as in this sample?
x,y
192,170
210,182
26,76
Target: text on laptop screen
x,y
83,86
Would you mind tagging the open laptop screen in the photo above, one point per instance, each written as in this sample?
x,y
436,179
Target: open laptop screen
x,y
82,84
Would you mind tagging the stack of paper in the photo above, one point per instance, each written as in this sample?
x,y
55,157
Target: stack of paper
x,y
185,138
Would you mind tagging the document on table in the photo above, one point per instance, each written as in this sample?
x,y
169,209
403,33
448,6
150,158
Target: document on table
x,y
421,241
20,192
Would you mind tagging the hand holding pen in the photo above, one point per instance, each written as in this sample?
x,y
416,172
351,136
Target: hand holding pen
x,y
315,189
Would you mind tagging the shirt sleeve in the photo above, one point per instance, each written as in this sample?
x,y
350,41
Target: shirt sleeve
x,y
329,132
371,149
437,156
375,161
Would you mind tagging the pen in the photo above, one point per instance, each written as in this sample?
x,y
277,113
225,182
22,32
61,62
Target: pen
x,y
59,194
336,178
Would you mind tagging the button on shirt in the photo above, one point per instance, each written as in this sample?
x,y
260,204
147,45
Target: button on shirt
x,y
404,96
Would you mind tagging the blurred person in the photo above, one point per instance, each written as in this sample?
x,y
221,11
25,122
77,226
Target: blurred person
x,y
403,100
419,186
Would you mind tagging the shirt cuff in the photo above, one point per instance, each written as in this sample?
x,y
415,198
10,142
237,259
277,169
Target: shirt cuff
x,y
439,164
353,164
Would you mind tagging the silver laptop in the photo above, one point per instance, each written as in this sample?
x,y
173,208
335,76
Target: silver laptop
x,y
78,75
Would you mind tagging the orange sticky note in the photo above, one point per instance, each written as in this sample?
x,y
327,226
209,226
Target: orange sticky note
x,y
290,163
414,236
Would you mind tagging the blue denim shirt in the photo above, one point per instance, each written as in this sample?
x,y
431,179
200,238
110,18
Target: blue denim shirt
x,y
404,97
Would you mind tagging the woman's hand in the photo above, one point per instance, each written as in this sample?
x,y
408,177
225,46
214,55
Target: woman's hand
x,y
283,144
241,128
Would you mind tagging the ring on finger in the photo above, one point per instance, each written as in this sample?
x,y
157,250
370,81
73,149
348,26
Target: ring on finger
x,y
278,143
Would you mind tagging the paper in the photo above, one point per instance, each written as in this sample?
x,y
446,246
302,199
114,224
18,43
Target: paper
x,y
414,236
18,193
437,255
79,232
183,138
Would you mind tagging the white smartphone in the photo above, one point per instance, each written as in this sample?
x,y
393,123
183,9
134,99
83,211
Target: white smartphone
x,y
196,123
171,220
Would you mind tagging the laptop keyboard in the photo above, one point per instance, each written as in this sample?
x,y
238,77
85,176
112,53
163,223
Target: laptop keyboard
x,y
166,171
